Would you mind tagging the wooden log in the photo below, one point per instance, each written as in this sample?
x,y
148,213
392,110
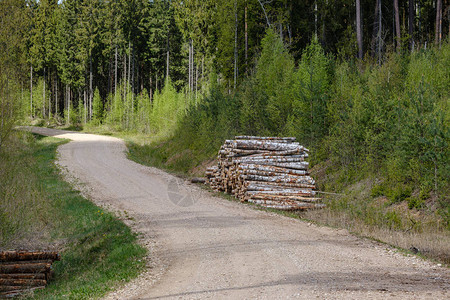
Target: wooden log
x,y
12,292
297,151
262,160
23,276
281,198
23,282
267,138
280,179
28,255
198,180
230,152
264,145
7,288
4,263
29,267
253,185
288,165
272,169
285,205
287,192
262,172
276,189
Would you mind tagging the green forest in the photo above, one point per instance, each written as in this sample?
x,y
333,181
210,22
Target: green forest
x,y
364,84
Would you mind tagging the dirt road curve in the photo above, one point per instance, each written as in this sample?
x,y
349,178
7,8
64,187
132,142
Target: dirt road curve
x,y
203,247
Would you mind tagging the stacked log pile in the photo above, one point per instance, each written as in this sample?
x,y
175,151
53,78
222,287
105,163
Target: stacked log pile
x,y
24,271
269,171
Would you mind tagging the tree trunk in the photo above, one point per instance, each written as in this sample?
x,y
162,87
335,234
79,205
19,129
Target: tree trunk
x,y
43,98
90,86
192,66
203,68
379,40
85,105
191,87
69,104
31,91
189,65
411,15
133,70
196,82
246,38
56,96
115,73
50,95
397,25
315,19
66,102
265,13
375,30
124,76
235,44
151,87
168,53
438,35
129,65
359,33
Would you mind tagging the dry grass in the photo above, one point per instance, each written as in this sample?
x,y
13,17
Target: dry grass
x,y
384,221
23,209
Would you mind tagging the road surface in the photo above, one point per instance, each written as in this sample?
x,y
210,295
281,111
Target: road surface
x,y
204,247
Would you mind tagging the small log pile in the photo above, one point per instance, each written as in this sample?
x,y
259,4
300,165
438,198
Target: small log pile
x,y
268,171
24,271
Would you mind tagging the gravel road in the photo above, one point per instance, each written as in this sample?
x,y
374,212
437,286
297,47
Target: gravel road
x,y
204,247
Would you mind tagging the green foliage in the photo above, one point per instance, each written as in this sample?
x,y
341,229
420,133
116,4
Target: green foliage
x,y
378,190
275,78
38,100
399,193
97,110
143,112
415,202
313,85
197,136
168,108
393,220
116,109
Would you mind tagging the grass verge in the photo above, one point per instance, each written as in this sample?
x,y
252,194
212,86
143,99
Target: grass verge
x,y
98,251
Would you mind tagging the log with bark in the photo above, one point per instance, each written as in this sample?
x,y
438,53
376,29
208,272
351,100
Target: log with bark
x,y
23,276
25,271
29,255
268,171
25,267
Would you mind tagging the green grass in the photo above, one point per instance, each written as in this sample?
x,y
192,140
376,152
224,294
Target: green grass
x,y
98,251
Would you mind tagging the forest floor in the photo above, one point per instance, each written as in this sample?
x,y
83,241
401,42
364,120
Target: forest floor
x,y
202,246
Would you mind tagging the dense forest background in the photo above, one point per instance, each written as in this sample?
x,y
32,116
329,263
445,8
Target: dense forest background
x,y
364,84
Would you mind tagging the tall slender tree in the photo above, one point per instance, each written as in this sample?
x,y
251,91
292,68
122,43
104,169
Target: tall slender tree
x,y
438,25
359,29
397,25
